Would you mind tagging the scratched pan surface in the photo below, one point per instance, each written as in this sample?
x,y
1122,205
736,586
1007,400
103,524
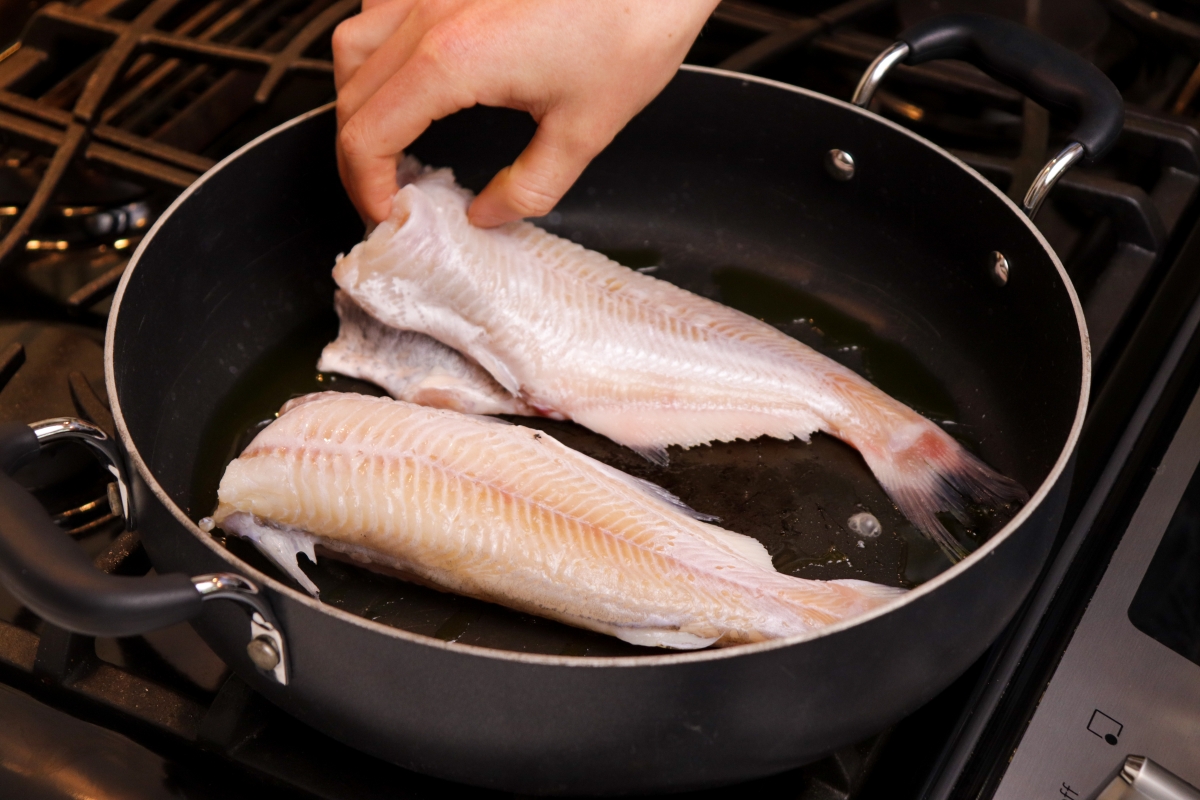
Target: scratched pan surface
x,y
794,497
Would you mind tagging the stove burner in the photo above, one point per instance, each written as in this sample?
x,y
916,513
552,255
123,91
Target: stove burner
x,y
168,79
59,360
71,226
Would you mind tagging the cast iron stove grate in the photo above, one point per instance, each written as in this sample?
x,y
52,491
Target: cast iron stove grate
x,y
130,99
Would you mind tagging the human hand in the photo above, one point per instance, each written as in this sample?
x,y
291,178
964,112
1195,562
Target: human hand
x,y
581,68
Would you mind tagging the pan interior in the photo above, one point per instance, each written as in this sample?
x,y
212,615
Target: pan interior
x,y
794,497
231,317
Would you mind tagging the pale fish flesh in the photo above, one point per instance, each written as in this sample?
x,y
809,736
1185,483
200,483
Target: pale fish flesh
x,y
411,366
572,334
509,515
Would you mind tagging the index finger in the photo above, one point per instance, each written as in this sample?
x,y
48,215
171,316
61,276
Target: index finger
x,y
423,90
356,39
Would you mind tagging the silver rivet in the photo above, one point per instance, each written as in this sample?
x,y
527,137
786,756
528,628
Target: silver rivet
x,y
839,164
999,267
263,653
114,500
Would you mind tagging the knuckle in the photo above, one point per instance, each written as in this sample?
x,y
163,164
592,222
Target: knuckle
x,y
439,9
344,41
446,46
345,111
531,198
585,141
351,139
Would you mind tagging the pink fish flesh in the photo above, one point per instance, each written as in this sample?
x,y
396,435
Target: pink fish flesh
x,y
509,515
569,333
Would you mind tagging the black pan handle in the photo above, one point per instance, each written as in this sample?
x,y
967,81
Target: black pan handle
x,y
50,574
1045,71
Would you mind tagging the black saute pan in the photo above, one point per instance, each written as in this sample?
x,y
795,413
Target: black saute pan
x,y
760,194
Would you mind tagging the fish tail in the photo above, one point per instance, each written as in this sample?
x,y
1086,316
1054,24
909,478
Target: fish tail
x,y
933,474
820,603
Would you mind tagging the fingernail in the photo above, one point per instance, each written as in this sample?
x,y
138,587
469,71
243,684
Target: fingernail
x,y
484,218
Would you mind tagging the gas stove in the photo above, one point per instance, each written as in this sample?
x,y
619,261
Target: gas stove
x,y
109,108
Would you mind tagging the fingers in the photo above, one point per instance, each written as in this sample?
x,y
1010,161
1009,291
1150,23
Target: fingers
x,y
392,54
358,38
581,69
560,150
420,92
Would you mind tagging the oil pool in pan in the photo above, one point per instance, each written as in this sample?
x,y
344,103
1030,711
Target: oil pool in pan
x,y
796,498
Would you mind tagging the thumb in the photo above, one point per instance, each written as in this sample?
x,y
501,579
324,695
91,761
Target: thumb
x,y
560,150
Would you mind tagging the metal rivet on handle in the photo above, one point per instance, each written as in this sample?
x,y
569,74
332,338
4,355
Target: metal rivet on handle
x,y
839,164
114,500
999,267
263,653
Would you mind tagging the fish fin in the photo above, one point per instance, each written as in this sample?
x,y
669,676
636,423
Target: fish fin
x,y
746,546
663,496
663,637
847,598
936,474
821,603
874,591
305,399
281,546
654,491
496,368
648,488
486,418
655,454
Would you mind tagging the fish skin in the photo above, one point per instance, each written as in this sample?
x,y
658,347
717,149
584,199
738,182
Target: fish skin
x,y
411,366
538,312
509,515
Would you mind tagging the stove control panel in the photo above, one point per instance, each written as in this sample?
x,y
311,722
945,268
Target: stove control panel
x,y
1129,680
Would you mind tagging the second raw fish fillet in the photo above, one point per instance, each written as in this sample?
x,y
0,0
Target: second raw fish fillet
x,y
568,333
507,514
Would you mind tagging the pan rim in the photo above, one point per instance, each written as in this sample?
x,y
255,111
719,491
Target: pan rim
x,y
670,658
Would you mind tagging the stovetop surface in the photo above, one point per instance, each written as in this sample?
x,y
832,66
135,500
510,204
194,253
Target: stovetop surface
x,y
87,165
1128,683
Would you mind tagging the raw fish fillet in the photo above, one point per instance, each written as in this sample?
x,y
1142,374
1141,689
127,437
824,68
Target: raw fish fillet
x,y
572,334
411,366
507,514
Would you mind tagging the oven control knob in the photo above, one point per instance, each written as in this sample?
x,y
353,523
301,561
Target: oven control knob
x,y
1139,778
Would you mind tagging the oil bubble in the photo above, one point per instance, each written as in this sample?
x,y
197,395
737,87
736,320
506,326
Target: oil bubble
x,y
865,525
207,525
